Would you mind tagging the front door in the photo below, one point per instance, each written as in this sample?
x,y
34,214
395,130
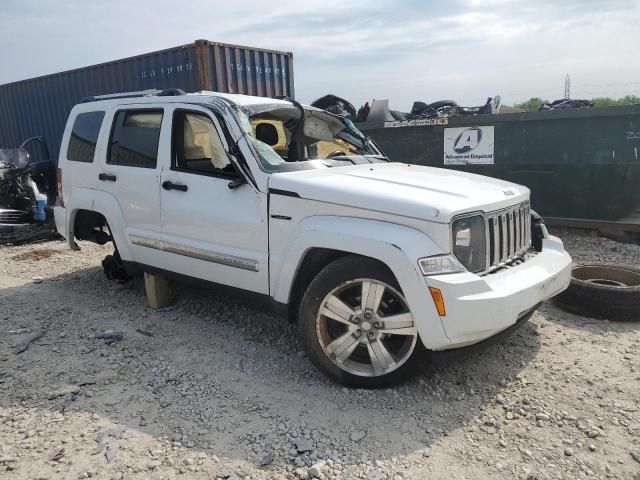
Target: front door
x,y
209,230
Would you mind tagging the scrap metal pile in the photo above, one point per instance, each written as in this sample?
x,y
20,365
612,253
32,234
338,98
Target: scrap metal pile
x,y
379,110
25,189
566,104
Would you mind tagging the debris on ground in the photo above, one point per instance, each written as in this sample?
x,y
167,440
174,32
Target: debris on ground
x,y
56,454
107,442
146,333
63,392
25,343
110,335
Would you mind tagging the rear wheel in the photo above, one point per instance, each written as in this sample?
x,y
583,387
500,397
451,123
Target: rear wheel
x,y
114,268
356,325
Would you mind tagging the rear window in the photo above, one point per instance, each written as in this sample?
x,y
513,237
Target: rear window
x,y
84,136
134,138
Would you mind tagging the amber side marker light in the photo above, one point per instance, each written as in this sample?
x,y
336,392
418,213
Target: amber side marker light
x,y
436,294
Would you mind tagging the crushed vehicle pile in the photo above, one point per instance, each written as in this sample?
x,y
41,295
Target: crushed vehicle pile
x,y
379,110
566,104
25,188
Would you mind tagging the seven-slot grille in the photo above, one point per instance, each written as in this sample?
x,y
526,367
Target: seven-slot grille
x,y
508,234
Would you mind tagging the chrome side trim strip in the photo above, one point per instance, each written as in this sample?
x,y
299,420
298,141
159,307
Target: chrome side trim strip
x,y
214,257
146,242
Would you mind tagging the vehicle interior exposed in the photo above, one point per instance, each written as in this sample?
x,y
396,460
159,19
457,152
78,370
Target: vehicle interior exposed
x,y
197,146
283,135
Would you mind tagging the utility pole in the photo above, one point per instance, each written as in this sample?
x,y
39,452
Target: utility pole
x,y
567,87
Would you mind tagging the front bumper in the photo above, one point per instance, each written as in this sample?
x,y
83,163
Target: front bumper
x,y
453,354
478,308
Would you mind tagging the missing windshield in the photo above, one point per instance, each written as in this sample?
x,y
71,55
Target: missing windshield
x,y
285,141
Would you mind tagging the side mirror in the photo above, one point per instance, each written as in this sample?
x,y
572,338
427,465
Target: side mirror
x,y
241,180
233,184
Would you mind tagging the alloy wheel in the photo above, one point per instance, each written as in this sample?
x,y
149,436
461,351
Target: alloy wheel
x,y
365,327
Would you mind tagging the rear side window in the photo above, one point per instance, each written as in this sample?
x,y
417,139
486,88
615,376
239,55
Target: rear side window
x,y
84,136
134,138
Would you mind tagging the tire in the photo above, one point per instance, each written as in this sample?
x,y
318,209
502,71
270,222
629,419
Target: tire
x,y
603,291
350,348
114,269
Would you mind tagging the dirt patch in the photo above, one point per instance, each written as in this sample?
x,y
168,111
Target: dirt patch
x,y
35,255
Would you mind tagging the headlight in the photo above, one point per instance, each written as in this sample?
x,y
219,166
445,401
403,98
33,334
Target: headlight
x,y
440,264
468,238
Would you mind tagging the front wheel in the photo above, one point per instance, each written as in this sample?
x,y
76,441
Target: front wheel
x,y
356,325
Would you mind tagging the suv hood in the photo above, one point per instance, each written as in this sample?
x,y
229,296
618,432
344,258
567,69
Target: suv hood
x,y
429,193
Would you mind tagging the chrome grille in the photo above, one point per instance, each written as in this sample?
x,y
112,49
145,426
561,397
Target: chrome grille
x,y
14,217
508,235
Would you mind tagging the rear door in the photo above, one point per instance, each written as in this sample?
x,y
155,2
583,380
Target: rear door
x,y
131,173
211,231
80,149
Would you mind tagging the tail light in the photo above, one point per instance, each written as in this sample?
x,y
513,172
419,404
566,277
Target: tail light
x,y
60,200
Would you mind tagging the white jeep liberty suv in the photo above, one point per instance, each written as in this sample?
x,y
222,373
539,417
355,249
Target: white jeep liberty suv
x,y
379,262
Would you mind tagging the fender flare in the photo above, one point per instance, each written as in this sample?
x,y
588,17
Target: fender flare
x,y
105,204
397,246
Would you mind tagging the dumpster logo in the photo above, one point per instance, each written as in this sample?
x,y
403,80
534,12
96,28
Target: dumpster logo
x,y
467,140
468,146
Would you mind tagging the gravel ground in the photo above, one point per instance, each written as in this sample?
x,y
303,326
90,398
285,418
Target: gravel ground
x,y
211,388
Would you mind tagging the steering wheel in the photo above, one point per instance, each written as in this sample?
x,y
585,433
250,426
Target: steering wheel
x,y
336,153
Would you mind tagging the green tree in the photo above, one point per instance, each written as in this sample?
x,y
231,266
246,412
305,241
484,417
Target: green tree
x,y
532,104
608,101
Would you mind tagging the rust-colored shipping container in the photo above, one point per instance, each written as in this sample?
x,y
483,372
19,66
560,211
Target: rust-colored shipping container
x,y
40,106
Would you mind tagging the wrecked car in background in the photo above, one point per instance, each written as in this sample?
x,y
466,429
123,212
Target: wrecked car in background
x,y
25,193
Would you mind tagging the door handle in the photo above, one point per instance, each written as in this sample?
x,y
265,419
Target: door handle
x,y
167,185
107,177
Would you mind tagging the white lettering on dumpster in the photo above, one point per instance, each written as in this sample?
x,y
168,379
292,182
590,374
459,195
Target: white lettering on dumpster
x,y
417,123
469,146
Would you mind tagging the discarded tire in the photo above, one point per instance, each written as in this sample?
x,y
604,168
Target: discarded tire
x,y
603,291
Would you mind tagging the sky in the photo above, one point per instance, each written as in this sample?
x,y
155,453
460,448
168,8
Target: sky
x,y
463,50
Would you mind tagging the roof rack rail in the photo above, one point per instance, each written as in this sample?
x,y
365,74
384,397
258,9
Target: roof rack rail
x,y
168,92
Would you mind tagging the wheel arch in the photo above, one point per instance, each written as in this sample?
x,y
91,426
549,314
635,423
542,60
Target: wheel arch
x,y
105,205
320,240
313,261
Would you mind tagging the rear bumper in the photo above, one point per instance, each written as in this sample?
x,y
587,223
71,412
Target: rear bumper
x,y
478,308
60,215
